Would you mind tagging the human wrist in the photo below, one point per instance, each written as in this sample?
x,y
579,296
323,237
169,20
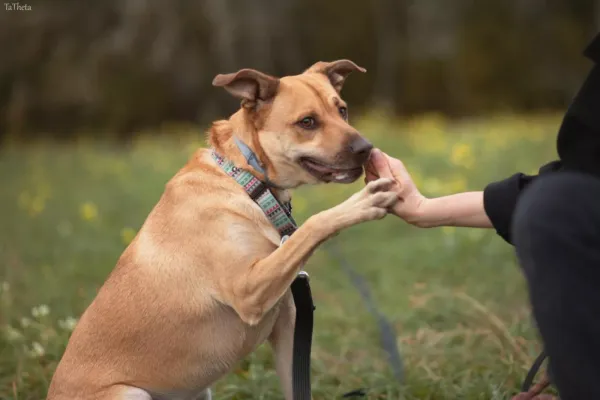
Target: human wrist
x,y
419,212
461,209
426,214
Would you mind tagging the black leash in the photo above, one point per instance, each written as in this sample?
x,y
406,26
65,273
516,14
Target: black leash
x,y
533,371
386,329
304,329
302,337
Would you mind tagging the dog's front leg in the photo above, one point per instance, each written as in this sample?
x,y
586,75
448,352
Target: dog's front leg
x,y
265,282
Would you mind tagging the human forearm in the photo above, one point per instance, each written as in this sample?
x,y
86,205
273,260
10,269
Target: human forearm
x,y
462,210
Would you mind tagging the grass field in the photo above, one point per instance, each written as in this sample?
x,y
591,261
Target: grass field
x,y
455,296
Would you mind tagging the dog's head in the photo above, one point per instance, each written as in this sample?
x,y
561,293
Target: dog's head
x,y
299,124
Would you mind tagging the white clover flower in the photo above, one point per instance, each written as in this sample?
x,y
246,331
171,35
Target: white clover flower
x,y
40,311
25,322
37,350
11,333
68,323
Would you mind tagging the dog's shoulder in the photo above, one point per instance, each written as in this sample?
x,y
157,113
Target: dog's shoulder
x,y
200,175
197,187
201,200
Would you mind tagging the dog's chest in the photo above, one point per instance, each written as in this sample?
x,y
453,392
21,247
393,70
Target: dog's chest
x,y
254,336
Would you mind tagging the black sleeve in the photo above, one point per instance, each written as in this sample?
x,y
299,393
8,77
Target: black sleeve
x,y
578,146
592,51
500,198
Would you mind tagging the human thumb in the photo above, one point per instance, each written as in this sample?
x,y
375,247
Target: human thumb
x,y
378,163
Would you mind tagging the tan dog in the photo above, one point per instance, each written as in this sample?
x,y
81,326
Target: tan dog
x,y
206,281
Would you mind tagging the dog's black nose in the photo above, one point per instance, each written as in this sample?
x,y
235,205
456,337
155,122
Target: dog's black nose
x,y
361,147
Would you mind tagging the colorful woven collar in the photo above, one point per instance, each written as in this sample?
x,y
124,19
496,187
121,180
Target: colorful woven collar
x,y
279,214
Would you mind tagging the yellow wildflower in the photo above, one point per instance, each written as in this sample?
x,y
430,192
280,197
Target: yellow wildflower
x,y
118,167
36,206
448,230
127,235
462,154
88,211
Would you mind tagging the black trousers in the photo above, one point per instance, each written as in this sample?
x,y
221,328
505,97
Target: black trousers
x,y
556,233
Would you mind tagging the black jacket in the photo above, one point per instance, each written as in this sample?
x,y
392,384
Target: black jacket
x,y
578,147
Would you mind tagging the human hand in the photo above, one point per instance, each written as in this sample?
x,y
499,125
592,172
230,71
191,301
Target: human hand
x,y
411,201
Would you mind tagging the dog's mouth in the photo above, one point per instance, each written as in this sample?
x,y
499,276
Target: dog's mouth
x,y
327,173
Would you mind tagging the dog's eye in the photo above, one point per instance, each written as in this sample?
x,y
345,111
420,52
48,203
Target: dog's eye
x,y
344,112
308,123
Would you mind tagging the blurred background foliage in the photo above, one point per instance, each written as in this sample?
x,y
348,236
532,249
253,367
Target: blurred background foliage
x,y
120,66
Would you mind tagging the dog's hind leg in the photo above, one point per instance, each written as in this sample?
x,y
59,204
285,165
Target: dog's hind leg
x,y
282,342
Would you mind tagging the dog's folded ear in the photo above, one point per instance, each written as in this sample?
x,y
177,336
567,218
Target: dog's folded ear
x,y
249,85
336,71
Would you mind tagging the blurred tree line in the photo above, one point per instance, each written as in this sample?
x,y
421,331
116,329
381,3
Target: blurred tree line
x,y
122,65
